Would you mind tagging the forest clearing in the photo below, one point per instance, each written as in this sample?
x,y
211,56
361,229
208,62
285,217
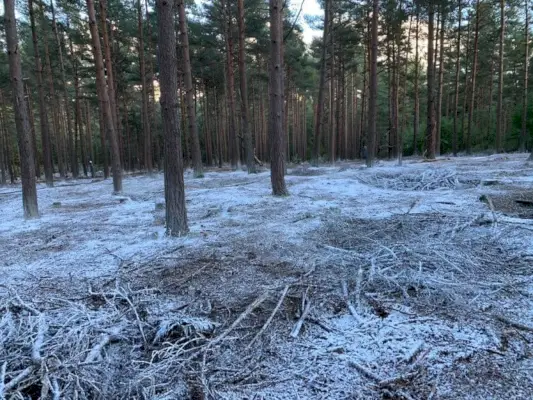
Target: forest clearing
x,y
409,282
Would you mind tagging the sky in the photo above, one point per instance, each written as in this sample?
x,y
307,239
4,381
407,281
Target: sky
x,y
310,7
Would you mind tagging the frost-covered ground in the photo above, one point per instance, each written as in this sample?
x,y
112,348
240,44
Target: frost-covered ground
x,y
410,282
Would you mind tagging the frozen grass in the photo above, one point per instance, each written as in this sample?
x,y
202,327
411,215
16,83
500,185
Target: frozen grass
x,y
394,282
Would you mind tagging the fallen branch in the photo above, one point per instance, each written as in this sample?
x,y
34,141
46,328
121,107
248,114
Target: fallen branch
x,y
349,304
243,315
415,350
16,380
365,372
397,379
298,326
97,349
513,324
38,343
271,317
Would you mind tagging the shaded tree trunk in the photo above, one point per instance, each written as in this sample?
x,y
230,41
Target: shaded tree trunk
x,y
176,214
373,88
27,161
440,83
277,148
499,111
147,137
189,92
248,144
233,138
322,85
70,136
416,118
104,99
32,126
457,72
473,84
43,114
430,130
524,132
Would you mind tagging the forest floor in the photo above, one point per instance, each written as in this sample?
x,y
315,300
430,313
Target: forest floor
x,y
396,282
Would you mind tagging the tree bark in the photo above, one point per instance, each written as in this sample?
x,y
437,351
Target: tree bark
x,y
103,95
147,158
27,161
499,111
43,114
416,118
440,82
277,148
430,130
248,144
176,214
457,72
524,132
32,126
233,138
322,85
72,148
373,89
189,92
473,85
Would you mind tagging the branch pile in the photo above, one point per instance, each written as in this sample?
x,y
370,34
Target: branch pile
x,y
430,179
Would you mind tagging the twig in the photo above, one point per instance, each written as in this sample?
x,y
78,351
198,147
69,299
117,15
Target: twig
x,y
17,379
271,317
298,326
106,339
243,315
349,304
365,372
513,324
38,343
2,379
397,379
415,350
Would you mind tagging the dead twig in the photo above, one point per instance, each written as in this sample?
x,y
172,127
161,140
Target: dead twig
x,y
298,326
256,303
513,324
271,317
349,304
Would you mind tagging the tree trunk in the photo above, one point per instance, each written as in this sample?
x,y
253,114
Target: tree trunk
x,y
233,138
147,137
103,95
72,148
322,85
32,126
416,119
499,121
277,159
440,82
176,214
191,109
27,161
373,88
43,115
457,72
524,132
109,74
52,101
248,144
473,84
430,130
